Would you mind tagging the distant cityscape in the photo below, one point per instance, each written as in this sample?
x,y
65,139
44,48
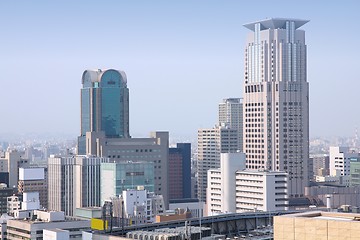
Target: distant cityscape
x,y
254,174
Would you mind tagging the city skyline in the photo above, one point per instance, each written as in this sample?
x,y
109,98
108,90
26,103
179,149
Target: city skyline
x,y
166,50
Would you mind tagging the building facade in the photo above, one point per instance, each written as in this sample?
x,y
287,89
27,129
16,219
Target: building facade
x,y
276,100
5,192
180,171
33,229
321,165
33,180
73,182
212,142
104,105
340,158
153,149
221,190
355,172
118,177
261,191
11,163
231,115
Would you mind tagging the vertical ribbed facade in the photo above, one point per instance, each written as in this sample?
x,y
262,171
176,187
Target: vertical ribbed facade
x,y
276,100
73,182
212,142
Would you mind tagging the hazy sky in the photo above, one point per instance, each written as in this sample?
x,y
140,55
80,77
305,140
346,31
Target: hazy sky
x,y
181,59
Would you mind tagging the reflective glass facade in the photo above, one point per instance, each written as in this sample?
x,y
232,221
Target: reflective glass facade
x,y
116,177
104,105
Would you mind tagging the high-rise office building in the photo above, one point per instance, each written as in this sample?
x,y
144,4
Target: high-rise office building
x,y
73,182
276,100
212,142
231,115
104,105
179,171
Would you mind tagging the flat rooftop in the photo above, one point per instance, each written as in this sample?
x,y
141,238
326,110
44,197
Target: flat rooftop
x,y
334,216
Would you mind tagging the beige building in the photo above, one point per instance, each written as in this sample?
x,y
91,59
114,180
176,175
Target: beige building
x,y
212,142
317,225
276,100
231,115
73,182
11,163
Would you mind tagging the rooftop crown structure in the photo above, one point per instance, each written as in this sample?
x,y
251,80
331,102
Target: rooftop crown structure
x,y
104,105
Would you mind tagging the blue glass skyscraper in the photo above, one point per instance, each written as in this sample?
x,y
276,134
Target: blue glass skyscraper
x,y
104,105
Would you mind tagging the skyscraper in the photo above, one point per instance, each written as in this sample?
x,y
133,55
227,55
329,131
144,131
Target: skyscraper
x,y
104,105
276,100
231,115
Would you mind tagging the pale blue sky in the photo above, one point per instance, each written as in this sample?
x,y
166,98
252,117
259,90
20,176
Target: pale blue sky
x,y
181,59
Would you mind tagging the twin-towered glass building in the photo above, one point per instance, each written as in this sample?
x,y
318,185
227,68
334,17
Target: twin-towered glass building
x,y
104,105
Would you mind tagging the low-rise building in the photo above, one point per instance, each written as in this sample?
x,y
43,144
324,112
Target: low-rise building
x,y
193,204
136,206
261,191
13,204
340,180
5,192
317,225
32,228
177,214
33,180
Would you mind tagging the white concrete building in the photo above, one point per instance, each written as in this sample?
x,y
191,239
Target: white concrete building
x,y
231,115
140,206
221,188
261,191
212,142
13,204
33,228
56,234
73,182
31,201
340,160
276,100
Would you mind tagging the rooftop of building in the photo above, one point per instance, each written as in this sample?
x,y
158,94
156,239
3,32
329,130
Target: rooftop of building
x,y
275,23
334,216
184,200
261,172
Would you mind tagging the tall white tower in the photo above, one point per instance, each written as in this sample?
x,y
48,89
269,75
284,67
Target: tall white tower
x,y
276,100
